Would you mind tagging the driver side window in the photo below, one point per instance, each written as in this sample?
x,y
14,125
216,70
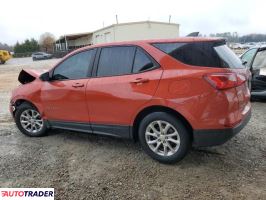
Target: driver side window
x,y
260,60
74,67
248,57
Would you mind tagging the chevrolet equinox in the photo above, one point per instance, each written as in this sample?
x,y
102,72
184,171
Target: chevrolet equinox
x,y
167,94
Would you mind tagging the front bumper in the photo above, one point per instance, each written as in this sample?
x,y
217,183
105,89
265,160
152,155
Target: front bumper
x,y
203,138
12,108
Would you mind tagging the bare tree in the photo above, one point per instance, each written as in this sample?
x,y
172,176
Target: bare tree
x,y
47,42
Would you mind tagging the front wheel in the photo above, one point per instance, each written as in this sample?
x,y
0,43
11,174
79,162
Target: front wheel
x,y
29,121
164,137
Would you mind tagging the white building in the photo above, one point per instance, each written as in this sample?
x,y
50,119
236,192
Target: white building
x,y
119,32
135,31
73,41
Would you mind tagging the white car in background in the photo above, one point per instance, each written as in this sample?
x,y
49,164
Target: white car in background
x,y
41,56
236,46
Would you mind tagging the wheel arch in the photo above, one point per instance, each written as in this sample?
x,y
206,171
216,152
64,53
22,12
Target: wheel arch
x,y
18,102
158,108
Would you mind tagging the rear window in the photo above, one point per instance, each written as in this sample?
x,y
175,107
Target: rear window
x,y
205,54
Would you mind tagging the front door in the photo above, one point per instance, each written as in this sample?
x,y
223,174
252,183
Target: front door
x,y
258,70
64,96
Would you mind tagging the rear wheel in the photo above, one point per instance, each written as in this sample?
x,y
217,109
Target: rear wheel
x,y
3,62
164,137
29,121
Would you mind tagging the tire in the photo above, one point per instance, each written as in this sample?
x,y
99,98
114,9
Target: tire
x,y
176,132
3,62
23,113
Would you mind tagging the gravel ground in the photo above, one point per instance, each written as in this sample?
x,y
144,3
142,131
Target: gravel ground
x,y
81,166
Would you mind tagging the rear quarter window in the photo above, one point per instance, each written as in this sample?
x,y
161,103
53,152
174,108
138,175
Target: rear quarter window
x,y
142,62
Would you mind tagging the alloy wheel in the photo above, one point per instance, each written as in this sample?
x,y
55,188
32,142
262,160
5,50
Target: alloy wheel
x,y
31,121
162,138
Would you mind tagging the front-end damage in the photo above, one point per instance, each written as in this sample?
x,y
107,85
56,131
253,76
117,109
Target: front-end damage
x,y
29,75
28,91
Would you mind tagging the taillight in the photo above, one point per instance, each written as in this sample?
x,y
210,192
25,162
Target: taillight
x,y
223,81
241,79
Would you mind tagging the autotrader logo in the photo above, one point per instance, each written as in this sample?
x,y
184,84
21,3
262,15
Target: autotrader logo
x,y
27,193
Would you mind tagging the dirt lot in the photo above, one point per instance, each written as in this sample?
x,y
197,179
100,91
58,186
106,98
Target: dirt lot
x,y
81,166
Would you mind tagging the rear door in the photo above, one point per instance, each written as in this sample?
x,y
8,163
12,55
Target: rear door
x,y
126,77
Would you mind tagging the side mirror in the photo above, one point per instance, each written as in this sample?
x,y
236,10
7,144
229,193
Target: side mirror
x,y
45,76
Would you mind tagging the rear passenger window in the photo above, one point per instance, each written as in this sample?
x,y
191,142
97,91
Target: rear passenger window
x,y
142,62
115,61
196,53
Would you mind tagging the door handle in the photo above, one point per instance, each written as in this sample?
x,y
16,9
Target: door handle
x,y
76,85
140,80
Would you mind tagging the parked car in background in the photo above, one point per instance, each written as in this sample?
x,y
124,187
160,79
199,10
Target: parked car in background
x,y
243,45
4,56
236,46
167,94
255,60
41,56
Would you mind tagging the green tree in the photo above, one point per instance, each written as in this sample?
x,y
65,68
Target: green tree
x,y
27,46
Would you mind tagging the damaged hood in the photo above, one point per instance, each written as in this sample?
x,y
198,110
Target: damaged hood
x,y
29,75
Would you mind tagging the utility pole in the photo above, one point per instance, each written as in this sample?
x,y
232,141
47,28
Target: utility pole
x,y
169,19
116,19
66,45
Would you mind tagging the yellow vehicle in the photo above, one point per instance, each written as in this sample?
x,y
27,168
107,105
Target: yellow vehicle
x,y
4,56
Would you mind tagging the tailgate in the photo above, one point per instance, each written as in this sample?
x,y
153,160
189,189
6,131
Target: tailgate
x,y
243,92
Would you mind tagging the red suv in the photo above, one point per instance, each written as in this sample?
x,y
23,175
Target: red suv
x,y
167,94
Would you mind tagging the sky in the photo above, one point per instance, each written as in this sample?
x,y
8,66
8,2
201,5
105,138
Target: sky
x,y
21,19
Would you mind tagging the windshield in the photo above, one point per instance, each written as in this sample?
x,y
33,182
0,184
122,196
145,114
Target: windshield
x,y
228,57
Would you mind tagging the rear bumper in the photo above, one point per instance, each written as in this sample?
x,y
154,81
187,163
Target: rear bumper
x,y
203,138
